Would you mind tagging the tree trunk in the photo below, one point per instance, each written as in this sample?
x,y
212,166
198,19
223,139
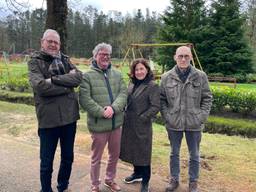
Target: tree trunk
x,y
57,11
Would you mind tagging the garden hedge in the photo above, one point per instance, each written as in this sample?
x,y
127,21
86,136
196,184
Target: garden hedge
x,y
231,126
234,100
16,97
228,126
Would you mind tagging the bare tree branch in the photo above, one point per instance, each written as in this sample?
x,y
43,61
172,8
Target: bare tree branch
x,y
16,6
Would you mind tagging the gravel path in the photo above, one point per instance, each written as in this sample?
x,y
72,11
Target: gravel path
x,y
19,170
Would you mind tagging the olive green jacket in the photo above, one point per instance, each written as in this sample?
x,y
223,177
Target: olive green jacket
x,y
56,102
94,94
185,106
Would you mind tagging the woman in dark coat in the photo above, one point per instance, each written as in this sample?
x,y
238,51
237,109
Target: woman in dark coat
x,y
142,105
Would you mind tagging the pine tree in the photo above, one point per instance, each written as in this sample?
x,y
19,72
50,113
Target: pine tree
x,y
225,49
182,22
37,23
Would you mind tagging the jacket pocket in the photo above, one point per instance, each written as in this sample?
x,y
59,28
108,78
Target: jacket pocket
x,y
173,119
45,100
194,90
194,119
48,114
171,92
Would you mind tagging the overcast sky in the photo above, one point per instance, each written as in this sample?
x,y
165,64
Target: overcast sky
x,y
120,5
124,6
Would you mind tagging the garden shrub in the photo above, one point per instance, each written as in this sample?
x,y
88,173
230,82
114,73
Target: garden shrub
x,y
235,100
15,97
228,126
240,78
251,78
16,83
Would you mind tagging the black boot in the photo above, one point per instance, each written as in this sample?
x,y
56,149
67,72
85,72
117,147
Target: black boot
x,y
133,178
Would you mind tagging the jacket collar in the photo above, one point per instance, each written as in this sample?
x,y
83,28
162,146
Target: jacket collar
x,y
193,74
139,90
45,56
191,77
96,67
136,93
42,56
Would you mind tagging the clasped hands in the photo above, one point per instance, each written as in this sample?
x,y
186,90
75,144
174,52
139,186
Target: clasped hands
x,y
108,112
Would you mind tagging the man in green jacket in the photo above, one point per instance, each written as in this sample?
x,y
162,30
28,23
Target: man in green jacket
x,y
103,95
185,105
53,78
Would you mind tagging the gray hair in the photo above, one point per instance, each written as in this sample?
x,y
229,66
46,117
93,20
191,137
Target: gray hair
x,y
47,31
101,46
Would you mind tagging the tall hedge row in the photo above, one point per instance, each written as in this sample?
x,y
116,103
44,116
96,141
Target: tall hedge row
x,y
234,100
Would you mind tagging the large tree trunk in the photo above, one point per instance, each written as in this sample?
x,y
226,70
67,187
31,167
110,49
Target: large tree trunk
x,y
57,12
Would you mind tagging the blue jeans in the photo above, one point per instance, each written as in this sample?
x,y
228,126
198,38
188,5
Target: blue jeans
x,y
193,139
49,138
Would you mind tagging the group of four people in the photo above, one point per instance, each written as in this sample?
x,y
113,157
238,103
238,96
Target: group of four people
x,y
118,117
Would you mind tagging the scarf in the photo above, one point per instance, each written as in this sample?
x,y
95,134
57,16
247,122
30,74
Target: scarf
x,y
94,64
183,74
57,67
138,82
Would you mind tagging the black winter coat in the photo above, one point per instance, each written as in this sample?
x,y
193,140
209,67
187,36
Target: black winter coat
x,y
142,105
56,102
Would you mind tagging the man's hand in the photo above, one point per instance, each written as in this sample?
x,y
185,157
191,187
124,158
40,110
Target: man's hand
x,y
108,112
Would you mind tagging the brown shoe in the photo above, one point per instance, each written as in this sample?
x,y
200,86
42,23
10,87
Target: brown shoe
x,y
112,186
172,185
95,189
193,187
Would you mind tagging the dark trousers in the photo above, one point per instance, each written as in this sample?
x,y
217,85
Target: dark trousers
x,y
144,172
49,138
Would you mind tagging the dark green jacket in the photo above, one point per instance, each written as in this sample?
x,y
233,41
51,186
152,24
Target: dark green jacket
x,y
56,102
94,95
185,106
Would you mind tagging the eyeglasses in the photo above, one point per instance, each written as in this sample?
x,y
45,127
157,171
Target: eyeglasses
x,y
104,54
52,41
180,57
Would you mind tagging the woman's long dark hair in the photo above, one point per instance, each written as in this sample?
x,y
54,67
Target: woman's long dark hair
x,y
143,62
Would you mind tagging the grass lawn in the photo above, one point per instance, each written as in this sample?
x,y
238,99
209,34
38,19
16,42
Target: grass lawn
x,y
228,163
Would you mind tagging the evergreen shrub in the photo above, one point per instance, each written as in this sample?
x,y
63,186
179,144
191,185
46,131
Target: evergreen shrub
x,y
231,126
228,126
234,100
16,97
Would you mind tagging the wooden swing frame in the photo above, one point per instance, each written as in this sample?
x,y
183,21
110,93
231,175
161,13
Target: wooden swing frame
x,y
138,46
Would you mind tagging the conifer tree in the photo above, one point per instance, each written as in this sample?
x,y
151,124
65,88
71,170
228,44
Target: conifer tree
x,y
182,22
225,49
